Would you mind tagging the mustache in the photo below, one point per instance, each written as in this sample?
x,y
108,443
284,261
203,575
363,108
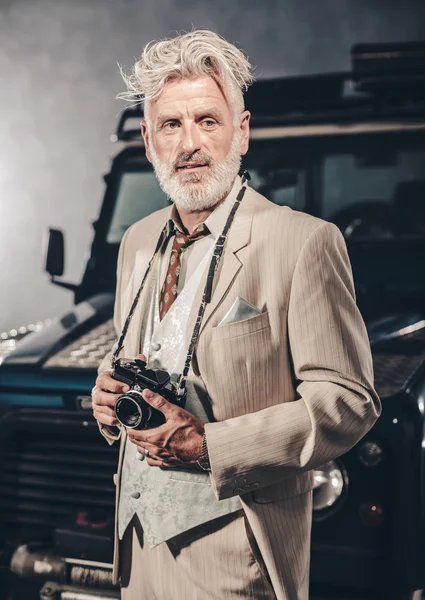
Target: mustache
x,y
198,156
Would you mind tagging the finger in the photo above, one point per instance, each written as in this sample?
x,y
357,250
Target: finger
x,y
101,398
143,451
155,452
104,410
141,357
105,419
153,449
149,435
107,383
145,446
99,412
158,402
154,462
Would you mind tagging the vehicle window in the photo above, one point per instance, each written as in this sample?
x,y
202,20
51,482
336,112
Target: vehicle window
x,y
138,195
379,193
283,186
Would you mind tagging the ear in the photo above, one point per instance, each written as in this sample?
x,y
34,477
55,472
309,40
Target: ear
x,y
244,125
145,135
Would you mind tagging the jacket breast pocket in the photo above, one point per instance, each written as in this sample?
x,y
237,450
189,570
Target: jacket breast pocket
x,y
293,486
239,363
244,327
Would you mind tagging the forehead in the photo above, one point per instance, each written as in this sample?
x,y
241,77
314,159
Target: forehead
x,y
187,94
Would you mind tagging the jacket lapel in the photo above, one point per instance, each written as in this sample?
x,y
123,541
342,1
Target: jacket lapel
x,y
238,237
142,258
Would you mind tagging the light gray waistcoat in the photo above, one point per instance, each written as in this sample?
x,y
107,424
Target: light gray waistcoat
x,y
169,501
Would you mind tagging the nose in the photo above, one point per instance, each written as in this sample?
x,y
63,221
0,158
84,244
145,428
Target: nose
x,y
190,141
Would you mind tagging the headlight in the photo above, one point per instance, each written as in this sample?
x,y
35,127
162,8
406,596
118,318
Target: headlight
x,y
330,483
371,454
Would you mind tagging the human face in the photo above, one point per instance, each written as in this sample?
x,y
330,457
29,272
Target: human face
x,y
194,142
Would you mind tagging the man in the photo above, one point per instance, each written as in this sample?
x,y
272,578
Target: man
x,y
216,503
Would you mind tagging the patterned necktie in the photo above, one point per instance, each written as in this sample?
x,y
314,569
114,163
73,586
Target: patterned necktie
x,y
169,289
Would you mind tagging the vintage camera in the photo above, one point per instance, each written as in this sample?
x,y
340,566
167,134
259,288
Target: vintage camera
x,y
131,409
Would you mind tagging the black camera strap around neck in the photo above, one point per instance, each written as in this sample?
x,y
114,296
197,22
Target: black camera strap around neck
x,y
207,293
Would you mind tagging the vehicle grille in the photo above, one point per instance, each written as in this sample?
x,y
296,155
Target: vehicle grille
x,y
53,464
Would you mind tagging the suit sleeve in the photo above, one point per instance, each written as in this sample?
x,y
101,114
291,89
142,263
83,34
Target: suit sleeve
x,y
336,403
112,434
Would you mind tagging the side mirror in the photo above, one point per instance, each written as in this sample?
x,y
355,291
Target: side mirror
x,y
55,259
55,255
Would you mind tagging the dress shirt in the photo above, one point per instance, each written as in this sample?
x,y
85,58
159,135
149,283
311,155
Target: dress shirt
x,y
193,254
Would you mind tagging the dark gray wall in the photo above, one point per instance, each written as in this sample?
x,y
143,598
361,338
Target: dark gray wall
x,y
58,81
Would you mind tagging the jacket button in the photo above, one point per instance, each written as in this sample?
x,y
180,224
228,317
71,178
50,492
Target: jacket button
x,y
135,495
140,456
156,346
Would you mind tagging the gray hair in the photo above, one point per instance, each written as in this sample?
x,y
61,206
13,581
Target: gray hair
x,y
194,54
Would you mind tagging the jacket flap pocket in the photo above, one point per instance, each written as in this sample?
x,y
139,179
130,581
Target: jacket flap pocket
x,y
250,325
293,486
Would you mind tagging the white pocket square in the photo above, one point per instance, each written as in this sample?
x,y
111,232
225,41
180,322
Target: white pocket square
x,y
239,311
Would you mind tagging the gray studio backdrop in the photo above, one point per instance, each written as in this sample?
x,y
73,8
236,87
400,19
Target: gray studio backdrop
x,y
58,81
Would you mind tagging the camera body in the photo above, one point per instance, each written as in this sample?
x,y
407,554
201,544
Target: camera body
x,y
131,410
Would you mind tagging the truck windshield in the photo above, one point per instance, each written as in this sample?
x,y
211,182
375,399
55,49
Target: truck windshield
x,y
368,187
138,195
376,192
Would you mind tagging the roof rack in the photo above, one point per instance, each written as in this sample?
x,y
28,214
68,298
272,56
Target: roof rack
x,y
381,73
396,69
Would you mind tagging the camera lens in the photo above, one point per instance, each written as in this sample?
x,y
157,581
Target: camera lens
x,y
132,411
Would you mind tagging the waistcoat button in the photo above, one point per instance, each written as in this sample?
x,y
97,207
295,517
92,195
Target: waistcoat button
x,y
135,495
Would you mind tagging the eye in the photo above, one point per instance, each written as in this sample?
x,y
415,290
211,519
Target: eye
x,y
208,123
171,125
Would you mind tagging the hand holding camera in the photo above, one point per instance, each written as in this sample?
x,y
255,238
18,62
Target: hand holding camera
x,y
155,420
104,396
131,410
175,443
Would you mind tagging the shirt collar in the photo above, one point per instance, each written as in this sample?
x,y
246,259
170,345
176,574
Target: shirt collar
x,y
217,219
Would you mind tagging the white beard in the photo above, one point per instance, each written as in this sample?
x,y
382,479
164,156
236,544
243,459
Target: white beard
x,y
199,191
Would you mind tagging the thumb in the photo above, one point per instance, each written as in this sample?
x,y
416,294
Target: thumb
x,y
158,402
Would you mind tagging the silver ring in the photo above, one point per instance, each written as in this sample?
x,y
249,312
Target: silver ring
x,y
147,453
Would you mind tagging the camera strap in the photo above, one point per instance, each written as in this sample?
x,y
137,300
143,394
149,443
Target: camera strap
x,y
162,237
207,293
206,296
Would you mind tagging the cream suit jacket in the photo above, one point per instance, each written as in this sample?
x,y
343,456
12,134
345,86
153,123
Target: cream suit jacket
x,y
290,388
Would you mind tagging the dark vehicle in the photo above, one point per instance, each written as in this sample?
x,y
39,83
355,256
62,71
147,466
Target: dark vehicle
x,y
347,147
